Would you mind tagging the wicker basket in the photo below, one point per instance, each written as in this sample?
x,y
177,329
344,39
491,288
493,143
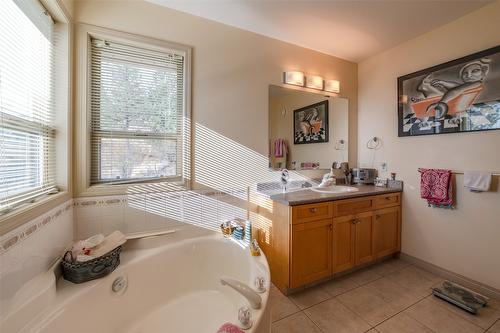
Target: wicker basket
x,y
78,272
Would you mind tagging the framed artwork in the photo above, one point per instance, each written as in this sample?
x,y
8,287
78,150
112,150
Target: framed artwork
x,y
462,95
310,124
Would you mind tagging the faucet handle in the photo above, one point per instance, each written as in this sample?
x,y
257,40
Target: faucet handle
x,y
260,284
245,317
284,176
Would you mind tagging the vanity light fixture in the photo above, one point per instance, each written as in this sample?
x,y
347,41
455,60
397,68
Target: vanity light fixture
x,y
332,86
403,99
294,78
314,82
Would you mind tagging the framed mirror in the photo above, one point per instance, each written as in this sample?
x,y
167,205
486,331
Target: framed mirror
x,y
306,130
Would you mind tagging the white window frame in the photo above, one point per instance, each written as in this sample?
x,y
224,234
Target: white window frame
x,y
63,56
83,186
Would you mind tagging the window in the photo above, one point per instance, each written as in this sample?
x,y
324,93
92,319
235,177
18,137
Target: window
x,y
137,111
27,133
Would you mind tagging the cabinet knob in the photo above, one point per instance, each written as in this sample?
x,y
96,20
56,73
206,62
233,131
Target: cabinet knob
x,y
312,210
331,226
355,221
387,198
377,217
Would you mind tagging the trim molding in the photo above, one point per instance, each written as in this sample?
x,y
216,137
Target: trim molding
x,y
18,235
81,143
454,277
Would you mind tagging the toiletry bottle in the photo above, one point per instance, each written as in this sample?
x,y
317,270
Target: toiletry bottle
x,y
248,231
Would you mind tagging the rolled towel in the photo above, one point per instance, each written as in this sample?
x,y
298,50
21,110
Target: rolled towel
x,y
83,247
229,328
109,243
477,181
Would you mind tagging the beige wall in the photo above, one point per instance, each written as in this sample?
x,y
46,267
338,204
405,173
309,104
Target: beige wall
x,y
281,126
232,70
465,240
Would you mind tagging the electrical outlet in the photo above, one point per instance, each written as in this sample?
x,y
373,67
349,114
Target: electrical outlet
x,y
383,166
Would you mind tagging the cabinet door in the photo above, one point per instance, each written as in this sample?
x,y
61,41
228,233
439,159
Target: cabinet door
x,y
386,231
343,243
311,252
364,238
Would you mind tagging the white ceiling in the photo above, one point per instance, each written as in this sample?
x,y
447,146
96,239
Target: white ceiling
x,y
352,30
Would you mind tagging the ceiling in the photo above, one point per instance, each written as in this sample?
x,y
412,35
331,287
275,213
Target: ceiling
x,y
352,30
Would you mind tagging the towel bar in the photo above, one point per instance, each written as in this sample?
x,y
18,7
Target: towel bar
x,y
456,172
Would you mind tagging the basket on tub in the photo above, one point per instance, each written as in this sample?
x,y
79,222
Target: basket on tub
x,y
78,272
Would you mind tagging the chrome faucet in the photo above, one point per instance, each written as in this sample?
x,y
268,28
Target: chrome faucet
x,y
284,179
253,298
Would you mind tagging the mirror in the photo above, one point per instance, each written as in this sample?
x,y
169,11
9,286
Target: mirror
x,y
306,130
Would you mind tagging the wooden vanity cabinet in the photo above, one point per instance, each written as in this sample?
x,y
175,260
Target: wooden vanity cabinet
x,y
363,242
387,231
313,242
344,235
311,252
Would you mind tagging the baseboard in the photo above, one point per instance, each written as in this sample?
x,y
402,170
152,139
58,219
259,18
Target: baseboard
x,y
454,277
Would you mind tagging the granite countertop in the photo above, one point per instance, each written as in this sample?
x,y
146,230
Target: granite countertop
x,y
307,196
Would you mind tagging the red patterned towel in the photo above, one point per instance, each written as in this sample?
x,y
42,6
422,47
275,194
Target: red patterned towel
x,y
435,187
229,328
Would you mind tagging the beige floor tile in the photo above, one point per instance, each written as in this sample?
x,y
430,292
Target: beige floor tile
x,y
485,317
339,286
400,297
402,323
438,318
364,276
281,306
333,317
415,279
297,323
368,305
390,265
309,297
495,328
494,303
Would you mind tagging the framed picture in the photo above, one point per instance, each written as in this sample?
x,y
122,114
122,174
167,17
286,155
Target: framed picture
x,y
462,95
310,124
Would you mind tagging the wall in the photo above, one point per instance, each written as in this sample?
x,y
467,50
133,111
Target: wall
x,y
281,126
148,212
465,240
27,251
232,70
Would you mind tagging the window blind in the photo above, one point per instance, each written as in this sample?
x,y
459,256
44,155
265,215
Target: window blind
x,y
27,154
136,112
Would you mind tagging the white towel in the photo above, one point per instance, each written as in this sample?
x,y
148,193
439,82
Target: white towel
x,y
477,181
107,244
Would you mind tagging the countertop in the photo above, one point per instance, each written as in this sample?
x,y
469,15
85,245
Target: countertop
x,y
307,196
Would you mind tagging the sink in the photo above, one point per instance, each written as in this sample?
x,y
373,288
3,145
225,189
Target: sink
x,y
334,189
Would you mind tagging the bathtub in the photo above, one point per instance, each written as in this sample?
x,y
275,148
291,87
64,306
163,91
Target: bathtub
x,y
172,285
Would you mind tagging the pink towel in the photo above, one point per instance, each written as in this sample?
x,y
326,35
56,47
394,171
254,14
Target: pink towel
x,y
279,147
435,187
229,328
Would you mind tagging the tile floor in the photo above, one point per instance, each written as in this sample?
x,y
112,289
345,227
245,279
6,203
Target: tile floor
x,y
392,296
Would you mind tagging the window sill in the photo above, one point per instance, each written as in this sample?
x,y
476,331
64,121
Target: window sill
x,y
24,214
134,188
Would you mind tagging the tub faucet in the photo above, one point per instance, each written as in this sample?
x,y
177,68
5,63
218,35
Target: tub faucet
x,y
253,298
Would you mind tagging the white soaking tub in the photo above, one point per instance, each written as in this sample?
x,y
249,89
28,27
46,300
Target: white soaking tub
x,y
172,285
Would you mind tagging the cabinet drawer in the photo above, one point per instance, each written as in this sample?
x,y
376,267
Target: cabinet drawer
x,y
387,200
312,212
353,206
